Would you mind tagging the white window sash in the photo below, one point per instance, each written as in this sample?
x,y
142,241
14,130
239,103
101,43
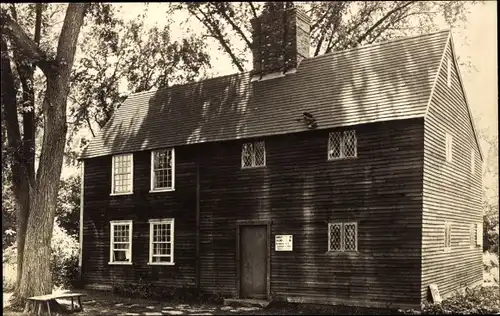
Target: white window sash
x,y
152,223
479,233
472,162
447,236
112,242
448,74
113,174
449,147
153,171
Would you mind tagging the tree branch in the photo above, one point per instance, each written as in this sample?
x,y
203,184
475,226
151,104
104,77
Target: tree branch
x,y
90,125
385,17
25,45
320,42
236,28
320,20
218,35
253,9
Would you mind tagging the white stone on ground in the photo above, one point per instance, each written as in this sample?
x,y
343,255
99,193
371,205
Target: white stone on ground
x,y
152,313
247,309
173,312
150,307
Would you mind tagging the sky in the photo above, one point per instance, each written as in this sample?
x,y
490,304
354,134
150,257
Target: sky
x,y
475,41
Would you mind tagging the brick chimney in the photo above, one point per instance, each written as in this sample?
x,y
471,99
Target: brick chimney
x,y
281,38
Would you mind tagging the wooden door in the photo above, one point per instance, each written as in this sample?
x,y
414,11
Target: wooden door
x,y
253,260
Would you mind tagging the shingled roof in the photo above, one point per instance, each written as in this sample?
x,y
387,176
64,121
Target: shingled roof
x,y
378,82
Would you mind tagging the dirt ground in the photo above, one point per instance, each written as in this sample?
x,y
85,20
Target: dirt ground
x,y
106,304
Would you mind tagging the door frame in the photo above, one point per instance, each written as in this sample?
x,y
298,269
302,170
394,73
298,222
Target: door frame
x,y
240,223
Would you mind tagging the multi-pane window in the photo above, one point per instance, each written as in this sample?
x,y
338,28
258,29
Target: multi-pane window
x,y
162,170
121,242
122,175
473,235
449,147
342,145
161,241
479,234
342,237
447,236
448,74
472,162
253,155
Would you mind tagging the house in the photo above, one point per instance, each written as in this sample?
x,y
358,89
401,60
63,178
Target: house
x,y
349,178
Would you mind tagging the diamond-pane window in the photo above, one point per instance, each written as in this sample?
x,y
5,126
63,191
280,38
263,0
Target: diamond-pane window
x,y
121,245
253,155
335,237
161,241
447,235
472,162
449,147
342,145
162,169
342,237
350,237
472,234
122,174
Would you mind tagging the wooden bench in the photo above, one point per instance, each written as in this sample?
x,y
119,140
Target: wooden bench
x,y
40,300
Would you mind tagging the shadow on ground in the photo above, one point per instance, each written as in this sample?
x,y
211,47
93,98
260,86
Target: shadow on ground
x,y
106,304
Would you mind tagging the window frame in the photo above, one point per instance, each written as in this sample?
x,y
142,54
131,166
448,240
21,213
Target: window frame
x,y
114,223
253,154
152,222
342,134
479,234
152,189
113,193
342,237
448,147
447,236
448,72
472,235
472,162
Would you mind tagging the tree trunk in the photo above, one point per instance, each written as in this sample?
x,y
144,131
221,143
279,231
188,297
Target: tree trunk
x,y
20,180
36,276
23,203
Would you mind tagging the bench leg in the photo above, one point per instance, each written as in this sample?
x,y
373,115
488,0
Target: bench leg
x,y
39,307
48,308
72,307
80,303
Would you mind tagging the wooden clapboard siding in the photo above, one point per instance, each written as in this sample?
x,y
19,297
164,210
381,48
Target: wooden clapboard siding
x,y
300,191
101,208
451,192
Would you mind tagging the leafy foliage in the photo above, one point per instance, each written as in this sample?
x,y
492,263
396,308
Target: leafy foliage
x,y
68,205
119,58
64,257
64,260
335,25
147,290
479,300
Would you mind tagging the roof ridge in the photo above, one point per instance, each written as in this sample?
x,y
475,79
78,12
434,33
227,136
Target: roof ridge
x,y
378,44
308,58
